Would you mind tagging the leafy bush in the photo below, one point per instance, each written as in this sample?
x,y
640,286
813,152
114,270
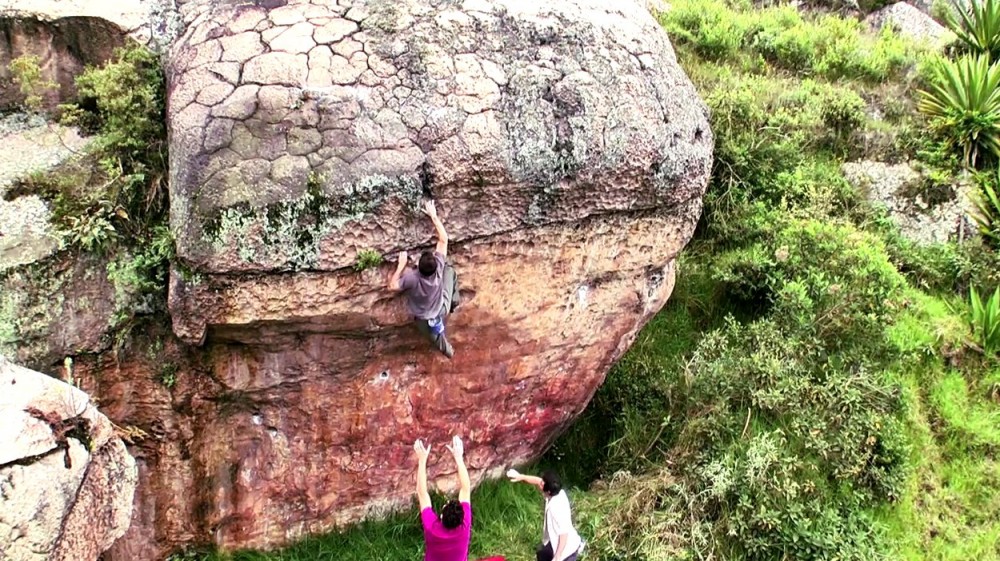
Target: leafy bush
x,y
26,72
168,375
129,94
784,430
963,102
843,113
986,320
977,25
140,277
92,230
781,454
366,259
829,280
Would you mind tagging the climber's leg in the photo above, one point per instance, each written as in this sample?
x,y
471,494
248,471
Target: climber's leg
x,y
449,290
436,334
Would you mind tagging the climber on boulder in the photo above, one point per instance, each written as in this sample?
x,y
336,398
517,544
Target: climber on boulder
x,y
432,288
446,538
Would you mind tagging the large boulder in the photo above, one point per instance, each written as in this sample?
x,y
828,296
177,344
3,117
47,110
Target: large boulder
x,y
305,133
66,479
911,23
568,153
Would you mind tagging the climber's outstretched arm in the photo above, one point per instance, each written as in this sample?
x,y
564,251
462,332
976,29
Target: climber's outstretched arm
x,y
529,479
423,497
457,450
442,234
400,267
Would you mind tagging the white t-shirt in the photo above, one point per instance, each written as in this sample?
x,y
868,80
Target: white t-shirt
x,y
558,520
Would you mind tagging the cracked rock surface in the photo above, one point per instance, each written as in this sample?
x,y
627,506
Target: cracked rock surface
x,y
66,481
308,131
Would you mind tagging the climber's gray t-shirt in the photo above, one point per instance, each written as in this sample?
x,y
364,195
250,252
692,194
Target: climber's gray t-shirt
x,y
424,295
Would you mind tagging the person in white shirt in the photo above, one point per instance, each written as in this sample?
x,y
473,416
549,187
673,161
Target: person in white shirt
x,y
560,541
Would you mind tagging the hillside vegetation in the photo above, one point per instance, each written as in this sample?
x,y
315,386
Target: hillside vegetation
x,y
818,387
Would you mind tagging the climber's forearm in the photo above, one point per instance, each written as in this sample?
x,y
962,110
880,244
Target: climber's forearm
x,y
531,480
442,235
464,483
423,497
394,278
563,538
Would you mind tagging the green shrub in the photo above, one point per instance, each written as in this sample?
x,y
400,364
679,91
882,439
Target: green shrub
x,y
829,280
829,46
843,113
92,230
140,276
985,316
781,452
963,102
713,29
168,375
765,130
367,259
977,25
26,72
130,94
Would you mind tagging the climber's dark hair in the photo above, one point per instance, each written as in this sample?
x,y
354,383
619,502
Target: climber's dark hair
x,y
452,514
428,264
551,483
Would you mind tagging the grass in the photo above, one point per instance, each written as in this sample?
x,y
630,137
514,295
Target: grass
x,y
951,508
507,521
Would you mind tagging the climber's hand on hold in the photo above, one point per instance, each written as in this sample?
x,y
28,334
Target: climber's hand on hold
x,y
421,450
400,266
430,209
457,449
514,475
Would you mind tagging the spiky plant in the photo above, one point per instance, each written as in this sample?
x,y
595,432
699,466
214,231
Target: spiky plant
x,y
963,102
987,216
986,320
977,25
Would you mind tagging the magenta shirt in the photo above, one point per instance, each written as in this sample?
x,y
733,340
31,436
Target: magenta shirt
x,y
443,544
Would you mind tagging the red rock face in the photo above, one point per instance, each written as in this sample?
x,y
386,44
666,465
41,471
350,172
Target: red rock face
x,y
312,425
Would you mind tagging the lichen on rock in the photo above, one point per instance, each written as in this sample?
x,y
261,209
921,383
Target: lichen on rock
x,y
286,235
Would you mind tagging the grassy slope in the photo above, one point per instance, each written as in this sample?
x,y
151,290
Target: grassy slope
x,y
951,509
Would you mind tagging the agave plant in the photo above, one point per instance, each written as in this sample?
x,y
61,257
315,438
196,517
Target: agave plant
x,y
986,320
977,25
963,102
987,216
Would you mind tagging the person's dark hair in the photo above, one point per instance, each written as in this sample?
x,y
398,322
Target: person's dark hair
x,y
551,483
428,264
452,514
